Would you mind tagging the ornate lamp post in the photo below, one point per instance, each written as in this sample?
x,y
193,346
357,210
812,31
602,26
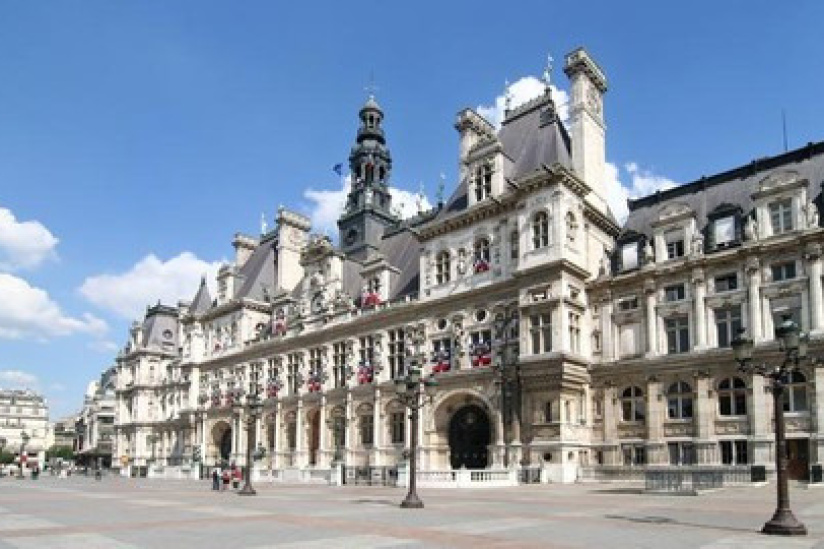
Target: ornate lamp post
x,y
508,370
253,409
794,345
152,439
337,424
24,439
409,391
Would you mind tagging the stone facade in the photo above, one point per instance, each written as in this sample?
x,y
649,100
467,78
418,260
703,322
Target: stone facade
x,y
24,411
94,427
558,337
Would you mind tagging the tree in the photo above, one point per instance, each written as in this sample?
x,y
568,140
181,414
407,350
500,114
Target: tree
x,y
62,452
6,458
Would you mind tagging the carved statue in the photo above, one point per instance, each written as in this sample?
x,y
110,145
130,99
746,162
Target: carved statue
x,y
698,244
751,229
649,255
811,211
603,266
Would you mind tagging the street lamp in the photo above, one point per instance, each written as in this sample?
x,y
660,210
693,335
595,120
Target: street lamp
x,y
152,439
337,424
408,390
24,439
506,340
794,345
253,409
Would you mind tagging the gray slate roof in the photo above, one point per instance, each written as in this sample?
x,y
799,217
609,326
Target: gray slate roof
x,y
731,187
159,321
259,272
202,301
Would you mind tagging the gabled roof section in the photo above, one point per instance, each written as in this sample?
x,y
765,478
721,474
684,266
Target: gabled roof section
x,y
160,328
533,136
734,187
259,274
202,301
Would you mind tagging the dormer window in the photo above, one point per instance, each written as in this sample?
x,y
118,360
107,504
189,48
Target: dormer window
x,y
724,231
629,256
483,181
442,267
675,244
781,216
540,230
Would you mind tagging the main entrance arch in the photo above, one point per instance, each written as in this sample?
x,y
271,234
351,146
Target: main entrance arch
x,y
469,437
222,440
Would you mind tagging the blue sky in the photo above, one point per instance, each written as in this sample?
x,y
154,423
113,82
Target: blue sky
x,y
137,137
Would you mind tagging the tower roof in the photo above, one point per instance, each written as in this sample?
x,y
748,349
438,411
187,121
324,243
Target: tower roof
x,y
202,300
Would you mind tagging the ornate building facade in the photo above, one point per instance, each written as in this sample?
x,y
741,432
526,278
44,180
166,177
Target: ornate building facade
x,y
559,338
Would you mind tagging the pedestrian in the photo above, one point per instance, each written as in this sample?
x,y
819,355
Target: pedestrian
x,y
215,479
226,479
236,476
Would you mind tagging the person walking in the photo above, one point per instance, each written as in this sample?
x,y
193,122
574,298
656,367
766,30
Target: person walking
x,y
215,479
226,479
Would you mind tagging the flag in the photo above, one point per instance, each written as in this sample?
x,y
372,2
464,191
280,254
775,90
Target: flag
x,y
441,361
338,169
481,354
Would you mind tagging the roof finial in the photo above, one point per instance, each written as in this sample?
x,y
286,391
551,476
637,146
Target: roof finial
x,y
419,198
507,97
371,88
263,227
548,70
441,185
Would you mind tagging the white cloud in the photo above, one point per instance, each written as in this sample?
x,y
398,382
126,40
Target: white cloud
x,y
642,182
149,280
26,311
521,91
103,346
23,245
17,379
327,205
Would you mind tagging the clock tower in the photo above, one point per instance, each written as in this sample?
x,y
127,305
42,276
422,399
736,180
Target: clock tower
x,y
368,211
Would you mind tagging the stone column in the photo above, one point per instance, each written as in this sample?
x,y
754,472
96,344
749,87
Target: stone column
x,y
323,446
753,273
610,420
299,437
699,311
703,409
276,461
814,272
817,441
759,411
651,317
607,346
377,430
656,413
347,428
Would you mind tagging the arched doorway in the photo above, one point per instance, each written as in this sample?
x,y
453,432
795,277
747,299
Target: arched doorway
x,y
469,437
222,440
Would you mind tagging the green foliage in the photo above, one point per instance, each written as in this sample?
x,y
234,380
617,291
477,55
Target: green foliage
x,y
63,452
6,458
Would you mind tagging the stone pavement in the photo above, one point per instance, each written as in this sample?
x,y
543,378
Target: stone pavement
x,y
78,512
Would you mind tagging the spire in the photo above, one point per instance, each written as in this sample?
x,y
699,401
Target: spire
x,y
202,301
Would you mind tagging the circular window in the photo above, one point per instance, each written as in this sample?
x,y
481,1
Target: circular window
x,y
167,334
441,324
481,315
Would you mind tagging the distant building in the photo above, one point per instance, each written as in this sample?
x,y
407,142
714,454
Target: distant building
x,y
62,432
24,413
560,338
94,428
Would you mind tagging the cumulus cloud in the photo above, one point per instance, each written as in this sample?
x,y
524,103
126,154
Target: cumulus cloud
x,y
148,281
637,182
326,206
26,311
23,245
17,379
521,91
103,346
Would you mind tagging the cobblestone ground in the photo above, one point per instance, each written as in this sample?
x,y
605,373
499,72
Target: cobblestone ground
x,y
79,512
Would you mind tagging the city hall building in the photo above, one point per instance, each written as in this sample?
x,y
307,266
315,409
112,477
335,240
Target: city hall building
x,y
560,338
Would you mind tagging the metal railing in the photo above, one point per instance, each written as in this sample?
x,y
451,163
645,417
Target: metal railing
x,y
370,475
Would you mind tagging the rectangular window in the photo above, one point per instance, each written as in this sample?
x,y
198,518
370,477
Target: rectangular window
x,y
783,271
634,454
676,292
575,332
727,324
781,216
681,453
628,303
292,368
629,256
724,231
367,428
397,353
540,328
398,425
339,363
734,452
292,434
367,350
678,334
726,283
675,244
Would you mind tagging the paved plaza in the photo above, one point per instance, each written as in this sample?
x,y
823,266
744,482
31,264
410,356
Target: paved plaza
x,y
116,513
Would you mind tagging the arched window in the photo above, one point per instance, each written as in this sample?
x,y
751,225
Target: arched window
x,y
679,400
795,393
540,230
571,228
633,406
481,255
732,397
442,267
514,245
483,181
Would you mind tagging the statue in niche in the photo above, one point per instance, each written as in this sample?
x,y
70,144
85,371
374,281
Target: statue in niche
x,y
751,229
811,213
649,255
603,266
698,244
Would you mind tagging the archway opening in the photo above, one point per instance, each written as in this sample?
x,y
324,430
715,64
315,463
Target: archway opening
x,y
469,437
222,440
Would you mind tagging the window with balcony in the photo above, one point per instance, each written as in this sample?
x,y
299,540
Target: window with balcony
x,y
339,365
675,244
397,353
397,422
481,255
795,393
732,397
724,231
734,452
482,181
681,453
678,334
629,256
